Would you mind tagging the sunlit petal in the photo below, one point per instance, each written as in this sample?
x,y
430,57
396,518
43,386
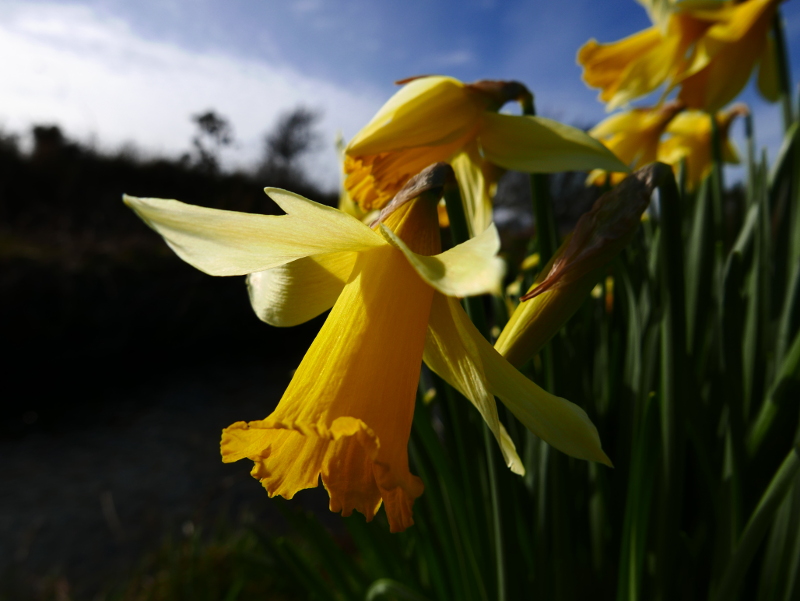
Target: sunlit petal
x,y
428,111
478,367
465,270
230,243
539,145
293,293
474,192
450,354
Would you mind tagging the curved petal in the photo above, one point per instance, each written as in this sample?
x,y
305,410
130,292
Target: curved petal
x,y
475,368
427,111
232,243
293,293
447,355
539,145
465,270
474,191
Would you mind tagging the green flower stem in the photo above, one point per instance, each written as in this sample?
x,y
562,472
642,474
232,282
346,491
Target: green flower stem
x,y
673,372
546,234
547,244
717,186
751,158
784,78
476,312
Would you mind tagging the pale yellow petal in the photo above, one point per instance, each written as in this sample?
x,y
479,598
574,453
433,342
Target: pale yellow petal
x,y
231,243
451,354
427,111
293,293
539,145
479,369
465,270
474,192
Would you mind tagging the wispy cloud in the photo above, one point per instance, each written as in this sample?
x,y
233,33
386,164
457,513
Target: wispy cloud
x,y
94,77
456,58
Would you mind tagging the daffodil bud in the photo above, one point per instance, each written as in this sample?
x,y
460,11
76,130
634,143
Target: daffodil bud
x,y
578,265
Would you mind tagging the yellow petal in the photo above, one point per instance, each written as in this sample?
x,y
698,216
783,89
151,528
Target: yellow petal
x,y
726,54
346,415
465,270
647,72
373,180
293,293
740,22
474,191
450,354
475,368
607,65
428,111
539,145
232,243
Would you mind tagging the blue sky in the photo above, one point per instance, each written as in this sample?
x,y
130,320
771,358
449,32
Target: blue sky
x,y
121,72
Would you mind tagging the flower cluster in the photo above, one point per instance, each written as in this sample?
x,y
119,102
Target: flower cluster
x,y
705,52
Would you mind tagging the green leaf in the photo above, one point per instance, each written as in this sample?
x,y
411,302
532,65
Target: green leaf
x,y
760,521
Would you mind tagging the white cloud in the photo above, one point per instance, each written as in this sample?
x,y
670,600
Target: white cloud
x,y
91,75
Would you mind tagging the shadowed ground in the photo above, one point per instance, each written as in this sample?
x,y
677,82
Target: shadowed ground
x,y
85,501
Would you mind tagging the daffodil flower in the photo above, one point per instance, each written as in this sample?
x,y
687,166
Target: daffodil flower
x,y
347,413
709,48
633,136
689,142
580,262
640,63
439,118
725,55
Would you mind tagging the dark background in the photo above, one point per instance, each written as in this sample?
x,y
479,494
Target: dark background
x,y
121,364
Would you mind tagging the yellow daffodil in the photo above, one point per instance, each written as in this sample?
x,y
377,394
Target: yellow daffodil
x,y
347,413
442,119
633,136
580,262
725,55
690,141
640,63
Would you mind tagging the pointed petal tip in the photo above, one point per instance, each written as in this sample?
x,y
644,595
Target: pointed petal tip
x,y
516,467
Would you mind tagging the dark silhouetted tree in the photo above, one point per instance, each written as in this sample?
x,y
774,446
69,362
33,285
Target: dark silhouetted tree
x,y
293,137
214,133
